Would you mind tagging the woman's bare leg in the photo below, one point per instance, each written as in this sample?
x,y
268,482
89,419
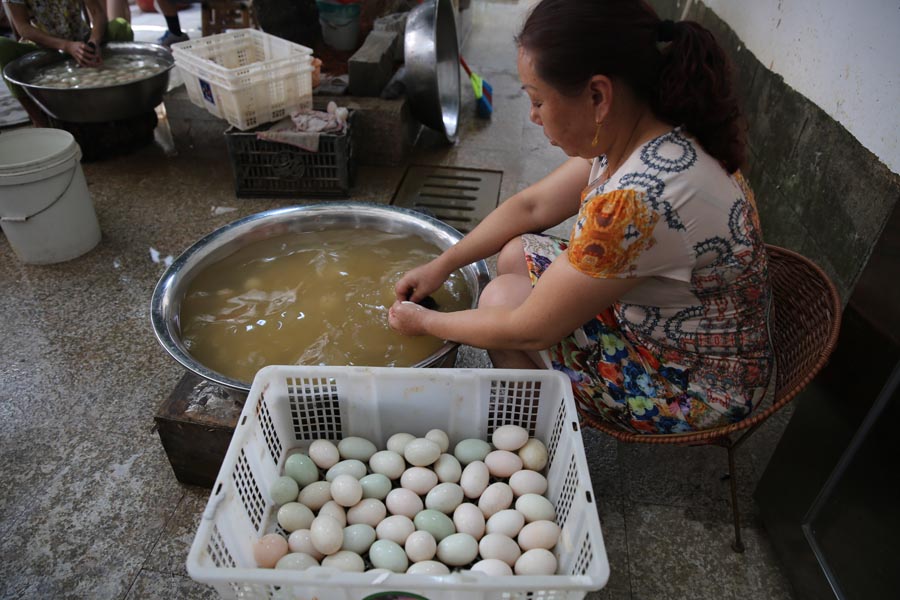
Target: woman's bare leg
x,y
511,287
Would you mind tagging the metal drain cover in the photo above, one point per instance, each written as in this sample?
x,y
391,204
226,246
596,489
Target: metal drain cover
x,y
460,198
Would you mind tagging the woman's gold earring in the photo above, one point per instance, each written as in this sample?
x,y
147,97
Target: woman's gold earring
x,y
596,139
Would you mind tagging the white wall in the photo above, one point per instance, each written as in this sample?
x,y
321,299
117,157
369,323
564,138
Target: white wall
x,y
844,55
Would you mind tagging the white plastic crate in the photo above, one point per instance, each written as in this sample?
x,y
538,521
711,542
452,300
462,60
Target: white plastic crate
x,y
291,406
246,76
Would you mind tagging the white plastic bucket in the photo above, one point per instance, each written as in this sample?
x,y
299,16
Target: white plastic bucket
x,y
340,24
45,207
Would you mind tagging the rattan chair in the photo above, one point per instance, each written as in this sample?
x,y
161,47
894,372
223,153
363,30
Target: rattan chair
x,y
806,317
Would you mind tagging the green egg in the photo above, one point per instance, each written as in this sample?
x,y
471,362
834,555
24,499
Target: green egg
x,y
301,469
375,485
386,554
470,450
284,490
434,522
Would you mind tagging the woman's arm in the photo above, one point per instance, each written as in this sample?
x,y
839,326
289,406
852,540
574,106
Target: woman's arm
x,y
548,202
563,300
80,51
96,10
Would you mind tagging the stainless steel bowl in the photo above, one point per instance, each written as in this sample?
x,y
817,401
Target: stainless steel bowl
x,y
431,54
96,104
165,306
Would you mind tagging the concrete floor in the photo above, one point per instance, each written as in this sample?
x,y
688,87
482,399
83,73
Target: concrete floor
x,y
89,506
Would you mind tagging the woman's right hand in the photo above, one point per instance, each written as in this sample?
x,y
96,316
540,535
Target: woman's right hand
x,y
84,54
418,283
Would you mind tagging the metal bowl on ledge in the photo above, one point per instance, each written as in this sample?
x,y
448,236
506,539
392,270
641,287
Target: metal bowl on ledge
x,y
431,56
165,305
93,104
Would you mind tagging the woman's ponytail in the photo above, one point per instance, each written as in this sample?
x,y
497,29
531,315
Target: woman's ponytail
x,y
696,90
686,80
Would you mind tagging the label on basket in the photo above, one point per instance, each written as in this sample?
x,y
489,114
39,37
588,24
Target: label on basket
x,y
207,91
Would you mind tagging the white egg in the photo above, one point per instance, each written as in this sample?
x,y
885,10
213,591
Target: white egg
x,y
498,496
346,490
539,534
536,562
358,538
397,442
388,463
301,541
508,522
335,511
509,437
534,455
419,546
492,567
527,482
296,561
535,508
401,501
447,469
369,511
315,495
293,516
324,454
344,560
439,437
503,463
468,518
457,549
351,466
428,567
474,479
444,497
499,546
419,480
395,528
326,534
356,448
421,452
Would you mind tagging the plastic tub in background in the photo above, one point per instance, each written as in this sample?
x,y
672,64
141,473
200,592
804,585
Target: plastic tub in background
x,y
46,210
340,23
291,406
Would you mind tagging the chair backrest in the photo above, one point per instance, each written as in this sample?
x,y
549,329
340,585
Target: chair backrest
x,y
804,325
805,320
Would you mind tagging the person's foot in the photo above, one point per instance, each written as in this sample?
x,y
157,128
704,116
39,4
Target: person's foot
x,y
170,38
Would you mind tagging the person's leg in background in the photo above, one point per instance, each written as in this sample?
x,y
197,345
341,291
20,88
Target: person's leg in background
x,y
9,51
174,33
118,9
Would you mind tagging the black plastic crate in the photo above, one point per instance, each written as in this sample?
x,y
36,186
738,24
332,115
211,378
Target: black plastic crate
x,y
276,170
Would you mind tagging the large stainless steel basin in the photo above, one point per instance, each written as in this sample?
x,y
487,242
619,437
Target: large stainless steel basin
x,y
165,305
431,56
93,104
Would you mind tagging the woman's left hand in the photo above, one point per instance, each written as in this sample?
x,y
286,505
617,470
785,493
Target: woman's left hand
x,y
408,318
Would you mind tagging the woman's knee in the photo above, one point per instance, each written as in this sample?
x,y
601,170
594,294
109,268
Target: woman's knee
x,y
512,258
506,290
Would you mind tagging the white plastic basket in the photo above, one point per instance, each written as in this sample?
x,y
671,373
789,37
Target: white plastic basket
x,y
291,406
246,76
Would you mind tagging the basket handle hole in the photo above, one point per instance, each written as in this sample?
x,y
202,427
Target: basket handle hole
x,y
244,420
574,426
587,494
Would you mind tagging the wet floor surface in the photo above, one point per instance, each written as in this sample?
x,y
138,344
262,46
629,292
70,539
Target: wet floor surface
x,y
89,505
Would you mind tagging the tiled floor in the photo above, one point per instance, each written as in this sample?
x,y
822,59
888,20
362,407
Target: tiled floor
x,y
89,507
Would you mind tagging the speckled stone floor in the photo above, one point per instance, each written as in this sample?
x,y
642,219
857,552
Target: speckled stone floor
x,y
89,506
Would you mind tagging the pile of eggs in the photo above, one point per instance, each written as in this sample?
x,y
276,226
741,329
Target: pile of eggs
x,y
117,69
414,507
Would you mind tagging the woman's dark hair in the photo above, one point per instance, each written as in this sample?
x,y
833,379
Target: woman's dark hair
x,y
686,81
